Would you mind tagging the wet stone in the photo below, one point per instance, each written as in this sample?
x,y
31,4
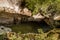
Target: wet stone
x,y
4,29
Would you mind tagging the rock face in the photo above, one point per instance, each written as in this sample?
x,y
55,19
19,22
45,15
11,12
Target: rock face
x,y
9,4
6,20
13,6
10,9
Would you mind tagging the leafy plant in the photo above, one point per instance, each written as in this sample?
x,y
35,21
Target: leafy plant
x,y
34,5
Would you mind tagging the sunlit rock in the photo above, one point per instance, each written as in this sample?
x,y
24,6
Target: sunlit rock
x,y
38,16
27,12
57,17
13,6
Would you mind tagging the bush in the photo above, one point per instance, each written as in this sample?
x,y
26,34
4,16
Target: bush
x,y
36,5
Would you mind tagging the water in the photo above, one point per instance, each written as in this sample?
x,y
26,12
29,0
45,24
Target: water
x,y
30,27
25,27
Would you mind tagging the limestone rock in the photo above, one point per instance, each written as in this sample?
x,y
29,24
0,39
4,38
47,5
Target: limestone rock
x,y
4,30
38,16
13,6
26,12
57,17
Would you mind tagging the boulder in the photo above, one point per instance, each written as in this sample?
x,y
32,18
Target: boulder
x,y
4,30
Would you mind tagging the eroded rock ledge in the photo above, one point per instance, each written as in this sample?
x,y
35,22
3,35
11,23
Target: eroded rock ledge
x,y
10,12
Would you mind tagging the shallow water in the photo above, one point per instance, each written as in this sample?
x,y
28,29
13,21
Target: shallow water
x,y
32,27
25,27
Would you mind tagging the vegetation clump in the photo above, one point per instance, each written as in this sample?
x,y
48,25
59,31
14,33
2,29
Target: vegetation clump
x,y
36,5
51,35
